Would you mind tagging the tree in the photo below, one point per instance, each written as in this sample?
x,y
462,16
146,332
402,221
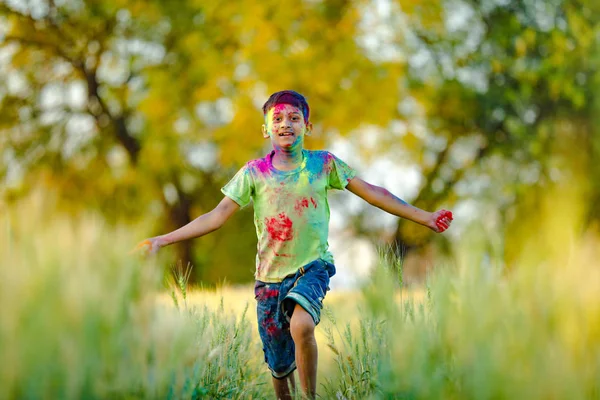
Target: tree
x,y
518,81
143,109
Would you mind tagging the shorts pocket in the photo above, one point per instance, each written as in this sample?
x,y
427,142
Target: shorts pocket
x,y
259,287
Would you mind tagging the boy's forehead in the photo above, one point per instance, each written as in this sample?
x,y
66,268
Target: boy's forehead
x,y
284,107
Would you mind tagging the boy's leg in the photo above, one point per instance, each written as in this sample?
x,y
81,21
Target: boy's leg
x,y
284,388
302,327
274,331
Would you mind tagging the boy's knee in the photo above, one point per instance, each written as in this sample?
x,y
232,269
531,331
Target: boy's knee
x,y
302,326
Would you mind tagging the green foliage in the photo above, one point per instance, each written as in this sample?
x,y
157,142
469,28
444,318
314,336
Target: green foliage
x,y
145,109
505,87
81,319
477,334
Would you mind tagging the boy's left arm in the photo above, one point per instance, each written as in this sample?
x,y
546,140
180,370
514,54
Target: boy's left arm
x,y
382,198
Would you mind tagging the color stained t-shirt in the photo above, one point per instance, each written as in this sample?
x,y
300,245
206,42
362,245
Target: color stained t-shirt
x,y
291,211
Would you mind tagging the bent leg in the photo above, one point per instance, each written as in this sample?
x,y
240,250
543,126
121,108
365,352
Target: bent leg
x,y
302,327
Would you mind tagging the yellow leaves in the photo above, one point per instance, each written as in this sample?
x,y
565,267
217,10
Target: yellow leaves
x,y
155,107
15,26
192,42
209,91
242,139
428,13
497,66
520,47
411,142
583,32
21,58
142,8
530,37
120,3
524,42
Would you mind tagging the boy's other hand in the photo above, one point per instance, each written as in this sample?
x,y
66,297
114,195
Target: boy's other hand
x,y
440,220
149,246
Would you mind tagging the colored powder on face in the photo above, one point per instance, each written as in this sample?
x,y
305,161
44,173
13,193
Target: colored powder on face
x,y
281,107
314,203
279,228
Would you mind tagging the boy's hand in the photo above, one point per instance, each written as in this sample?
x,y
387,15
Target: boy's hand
x,y
440,221
149,246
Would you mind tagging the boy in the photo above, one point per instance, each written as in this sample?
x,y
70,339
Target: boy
x,y
291,214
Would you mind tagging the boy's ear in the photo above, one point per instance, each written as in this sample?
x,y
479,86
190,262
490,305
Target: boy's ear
x,y
309,127
264,132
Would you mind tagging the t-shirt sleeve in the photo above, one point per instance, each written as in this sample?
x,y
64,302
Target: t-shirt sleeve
x,y
340,173
240,188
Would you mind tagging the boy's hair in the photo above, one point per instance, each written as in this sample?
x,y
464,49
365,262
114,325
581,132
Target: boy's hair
x,y
288,97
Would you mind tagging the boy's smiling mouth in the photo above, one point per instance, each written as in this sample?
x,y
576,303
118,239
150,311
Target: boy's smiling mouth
x,y
286,134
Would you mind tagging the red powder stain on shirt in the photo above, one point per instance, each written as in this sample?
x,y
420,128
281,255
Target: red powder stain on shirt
x,y
301,205
279,228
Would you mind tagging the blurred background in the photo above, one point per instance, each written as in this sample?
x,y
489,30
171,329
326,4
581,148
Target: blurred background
x,y
140,111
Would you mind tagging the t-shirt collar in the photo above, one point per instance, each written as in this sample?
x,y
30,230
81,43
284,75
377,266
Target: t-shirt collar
x,y
293,171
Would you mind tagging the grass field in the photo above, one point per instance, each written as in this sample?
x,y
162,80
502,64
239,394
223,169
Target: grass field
x,y
80,318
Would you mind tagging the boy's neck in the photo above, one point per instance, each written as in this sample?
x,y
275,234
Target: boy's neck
x,y
287,160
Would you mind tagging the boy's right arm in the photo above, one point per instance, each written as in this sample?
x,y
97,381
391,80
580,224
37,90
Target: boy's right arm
x,y
206,223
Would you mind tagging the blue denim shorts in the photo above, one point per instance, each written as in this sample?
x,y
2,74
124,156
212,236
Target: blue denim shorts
x,y
275,305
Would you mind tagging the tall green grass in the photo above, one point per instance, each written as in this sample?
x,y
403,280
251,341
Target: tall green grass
x,y
483,331
79,318
534,334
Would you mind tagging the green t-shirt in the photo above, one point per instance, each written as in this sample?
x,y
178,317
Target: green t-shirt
x,y
291,211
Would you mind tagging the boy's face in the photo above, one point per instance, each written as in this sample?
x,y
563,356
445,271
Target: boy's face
x,y
285,125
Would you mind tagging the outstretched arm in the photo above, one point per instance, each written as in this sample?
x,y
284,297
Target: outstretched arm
x,y
206,223
382,198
